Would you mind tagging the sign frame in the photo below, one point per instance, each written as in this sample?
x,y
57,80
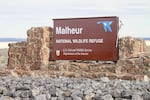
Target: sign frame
x,y
92,38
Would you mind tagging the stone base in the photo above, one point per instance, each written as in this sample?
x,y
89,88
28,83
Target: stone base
x,y
128,69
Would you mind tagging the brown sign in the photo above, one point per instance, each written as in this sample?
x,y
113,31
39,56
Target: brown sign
x,y
86,39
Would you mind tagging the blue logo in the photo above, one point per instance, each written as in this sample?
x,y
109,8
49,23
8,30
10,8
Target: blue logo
x,y
106,24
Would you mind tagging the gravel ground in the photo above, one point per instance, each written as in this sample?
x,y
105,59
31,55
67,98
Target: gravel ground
x,y
62,88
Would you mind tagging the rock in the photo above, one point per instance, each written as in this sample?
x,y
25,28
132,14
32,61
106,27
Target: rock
x,y
98,98
61,98
40,97
136,97
59,92
17,98
126,94
46,89
35,92
117,93
25,94
52,92
68,98
88,91
77,98
98,93
107,97
104,79
121,99
131,47
48,96
22,88
17,55
7,93
54,98
17,94
77,93
146,78
89,96
2,89
146,96
6,98
67,93
33,54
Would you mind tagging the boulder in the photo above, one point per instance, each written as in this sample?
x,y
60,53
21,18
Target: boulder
x,y
131,47
34,54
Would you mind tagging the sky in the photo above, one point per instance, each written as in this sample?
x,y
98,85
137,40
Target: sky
x,y
17,16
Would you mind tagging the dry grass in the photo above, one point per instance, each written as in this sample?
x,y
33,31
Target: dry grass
x,y
148,50
3,58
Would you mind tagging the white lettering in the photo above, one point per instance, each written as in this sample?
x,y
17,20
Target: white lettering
x,y
58,30
68,30
63,41
80,40
96,41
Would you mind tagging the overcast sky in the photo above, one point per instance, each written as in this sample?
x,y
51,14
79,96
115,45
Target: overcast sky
x,y
16,16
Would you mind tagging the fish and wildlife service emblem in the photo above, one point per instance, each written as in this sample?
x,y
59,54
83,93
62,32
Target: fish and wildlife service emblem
x,y
57,52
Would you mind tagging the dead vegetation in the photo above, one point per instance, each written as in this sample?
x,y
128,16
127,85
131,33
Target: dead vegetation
x,y
3,58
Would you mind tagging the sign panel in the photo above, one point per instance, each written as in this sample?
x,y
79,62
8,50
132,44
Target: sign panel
x,y
86,38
